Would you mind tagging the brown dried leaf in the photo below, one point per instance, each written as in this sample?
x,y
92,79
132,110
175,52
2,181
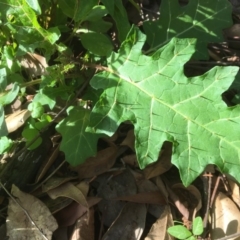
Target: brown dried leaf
x,y
158,230
225,217
54,182
95,166
162,165
84,227
131,160
129,224
69,215
19,226
16,119
111,187
190,195
144,197
235,192
34,64
129,140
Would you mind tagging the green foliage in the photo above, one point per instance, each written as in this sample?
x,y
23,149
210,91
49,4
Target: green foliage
x,y
118,13
77,144
164,105
77,10
199,19
36,109
21,22
80,40
181,232
103,46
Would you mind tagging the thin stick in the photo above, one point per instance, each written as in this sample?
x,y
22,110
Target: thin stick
x,y
209,182
24,210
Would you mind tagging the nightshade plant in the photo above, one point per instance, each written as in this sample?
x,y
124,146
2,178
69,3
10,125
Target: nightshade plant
x,y
148,88
181,232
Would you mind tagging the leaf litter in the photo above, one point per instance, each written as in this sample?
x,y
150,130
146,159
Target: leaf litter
x,y
109,197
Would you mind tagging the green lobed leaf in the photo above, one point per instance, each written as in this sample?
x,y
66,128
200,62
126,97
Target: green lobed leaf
x,y
36,109
164,105
197,227
96,13
102,47
3,79
203,20
77,144
179,232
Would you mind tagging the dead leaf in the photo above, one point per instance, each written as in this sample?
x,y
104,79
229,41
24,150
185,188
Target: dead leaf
x,y
190,195
19,226
235,192
84,227
83,186
34,64
232,35
95,166
129,140
225,217
3,231
17,119
54,182
144,197
129,224
111,187
161,186
68,190
131,160
42,172
70,214
179,205
163,163
158,230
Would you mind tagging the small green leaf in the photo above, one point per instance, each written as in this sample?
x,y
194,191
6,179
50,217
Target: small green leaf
x,y
77,10
191,238
77,144
36,109
101,47
34,5
8,96
98,26
5,144
179,232
29,134
44,99
3,126
96,13
197,227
